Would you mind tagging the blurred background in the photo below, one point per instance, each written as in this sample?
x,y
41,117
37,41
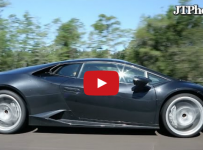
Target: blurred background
x,y
144,32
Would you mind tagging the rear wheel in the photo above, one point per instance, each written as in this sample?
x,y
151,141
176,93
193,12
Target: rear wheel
x,y
12,112
182,115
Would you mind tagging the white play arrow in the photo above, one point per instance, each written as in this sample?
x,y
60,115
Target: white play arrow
x,y
100,83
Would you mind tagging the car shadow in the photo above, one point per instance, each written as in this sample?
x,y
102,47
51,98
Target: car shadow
x,y
81,130
99,131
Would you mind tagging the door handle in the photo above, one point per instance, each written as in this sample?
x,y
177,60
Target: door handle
x,y
71,89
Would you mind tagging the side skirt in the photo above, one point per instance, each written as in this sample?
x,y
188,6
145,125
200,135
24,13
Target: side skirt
x,y
48,119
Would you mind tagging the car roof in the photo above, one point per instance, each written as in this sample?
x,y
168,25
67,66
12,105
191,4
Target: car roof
x,y
96,59
102,59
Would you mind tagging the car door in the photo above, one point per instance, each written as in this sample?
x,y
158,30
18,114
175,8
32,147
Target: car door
x,y
137,106
127,106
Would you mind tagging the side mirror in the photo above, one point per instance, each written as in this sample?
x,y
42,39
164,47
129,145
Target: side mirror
x,y
140,82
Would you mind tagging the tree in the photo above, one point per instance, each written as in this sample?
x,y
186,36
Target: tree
x,y
3,4
68,38
26,40
107,34
5,53
166,43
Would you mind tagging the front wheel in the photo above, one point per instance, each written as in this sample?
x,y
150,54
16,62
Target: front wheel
x,y
182,115
12,112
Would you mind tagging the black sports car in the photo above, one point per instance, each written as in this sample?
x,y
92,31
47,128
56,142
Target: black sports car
x,y
53,95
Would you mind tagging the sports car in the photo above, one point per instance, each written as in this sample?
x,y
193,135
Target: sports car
x,y
53,95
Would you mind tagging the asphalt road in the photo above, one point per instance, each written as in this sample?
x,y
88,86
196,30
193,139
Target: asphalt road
x,y
96,139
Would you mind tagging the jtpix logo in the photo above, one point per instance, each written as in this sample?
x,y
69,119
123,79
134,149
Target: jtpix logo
x,y
188,10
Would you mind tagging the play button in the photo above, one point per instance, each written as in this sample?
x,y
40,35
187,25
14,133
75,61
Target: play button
x,y
100,83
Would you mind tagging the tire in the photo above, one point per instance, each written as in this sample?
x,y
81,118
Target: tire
x,y
182,115
12,112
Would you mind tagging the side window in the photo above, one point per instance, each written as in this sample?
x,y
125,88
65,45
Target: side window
x,y
70,70
130,72
100,67
155,79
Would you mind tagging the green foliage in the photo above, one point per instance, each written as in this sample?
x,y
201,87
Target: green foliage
x,y
184,2
107,34
164,42
169,44
3,4
67,39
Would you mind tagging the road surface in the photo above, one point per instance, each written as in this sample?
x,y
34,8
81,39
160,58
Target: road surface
x,y
96,139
